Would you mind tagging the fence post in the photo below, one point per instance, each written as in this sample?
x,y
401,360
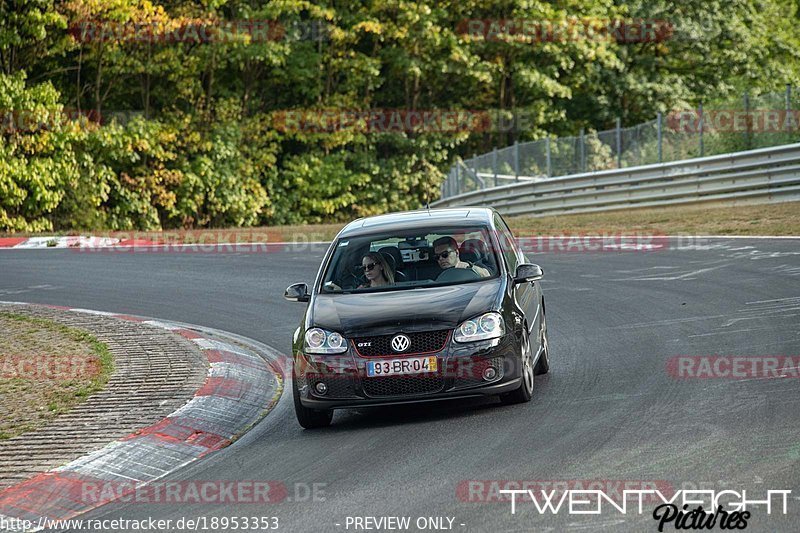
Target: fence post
x,y
494,164
747,119
458,177
547,155
516,160
583,150
474,166
702,120
788,97
619,142
659,121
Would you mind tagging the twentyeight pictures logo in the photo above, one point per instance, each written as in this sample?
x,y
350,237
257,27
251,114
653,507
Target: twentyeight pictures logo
x,y
681,508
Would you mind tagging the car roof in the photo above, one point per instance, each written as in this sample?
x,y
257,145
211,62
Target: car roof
x,y
421,218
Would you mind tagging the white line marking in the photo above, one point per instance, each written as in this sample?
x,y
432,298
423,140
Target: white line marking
x,y
775,300
646,268
673,278
92,312
669,321
159,324
727,332
210,344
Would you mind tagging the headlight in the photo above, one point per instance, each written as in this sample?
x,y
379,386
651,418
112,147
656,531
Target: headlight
x,y
488,326
320,341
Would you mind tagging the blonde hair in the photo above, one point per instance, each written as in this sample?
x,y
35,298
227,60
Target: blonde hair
x,y
378,257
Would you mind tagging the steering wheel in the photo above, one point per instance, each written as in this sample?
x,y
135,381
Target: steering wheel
x,y
457,274
350,278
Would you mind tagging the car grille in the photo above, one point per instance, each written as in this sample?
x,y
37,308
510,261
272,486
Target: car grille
x,y
423,342
402,385
471,374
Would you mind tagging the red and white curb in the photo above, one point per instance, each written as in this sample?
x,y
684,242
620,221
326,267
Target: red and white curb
x,y
92,243
537,244
57,242
244,383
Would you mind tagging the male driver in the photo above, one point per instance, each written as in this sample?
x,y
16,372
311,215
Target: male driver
x,y
445,250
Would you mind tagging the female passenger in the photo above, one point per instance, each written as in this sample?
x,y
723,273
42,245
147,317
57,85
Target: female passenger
x,y
376,270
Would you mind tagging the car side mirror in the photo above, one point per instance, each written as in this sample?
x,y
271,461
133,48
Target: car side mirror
x,y
528,272
297,293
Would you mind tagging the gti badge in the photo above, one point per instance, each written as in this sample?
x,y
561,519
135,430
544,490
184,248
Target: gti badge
x,y
400,343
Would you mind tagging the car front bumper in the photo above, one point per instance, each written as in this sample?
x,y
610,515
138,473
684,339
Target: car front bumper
x,y
460,374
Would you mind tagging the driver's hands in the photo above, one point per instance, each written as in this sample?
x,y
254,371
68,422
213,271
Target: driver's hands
x,y
331,286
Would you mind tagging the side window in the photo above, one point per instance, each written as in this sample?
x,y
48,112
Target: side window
x,y
507,244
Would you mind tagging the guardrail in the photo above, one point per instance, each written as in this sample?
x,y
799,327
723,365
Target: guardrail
x,y
754,176
679,135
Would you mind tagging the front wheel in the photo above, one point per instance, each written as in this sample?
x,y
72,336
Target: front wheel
x,y
309,418
525,391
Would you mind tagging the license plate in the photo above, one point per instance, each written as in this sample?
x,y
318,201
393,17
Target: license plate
x,y
397,367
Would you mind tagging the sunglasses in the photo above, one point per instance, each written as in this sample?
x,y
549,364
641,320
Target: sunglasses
x,y
443,255
368,266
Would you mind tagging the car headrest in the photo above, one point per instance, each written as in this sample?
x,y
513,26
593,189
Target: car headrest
x,y
473,250
389,260
394,253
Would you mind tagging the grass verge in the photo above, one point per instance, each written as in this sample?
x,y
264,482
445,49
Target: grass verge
x,y
768,219
46,369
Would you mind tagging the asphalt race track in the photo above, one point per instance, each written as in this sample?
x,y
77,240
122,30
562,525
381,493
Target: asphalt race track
x,y
609,409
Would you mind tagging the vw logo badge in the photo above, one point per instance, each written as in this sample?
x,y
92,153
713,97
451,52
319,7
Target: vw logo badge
x,y
400,343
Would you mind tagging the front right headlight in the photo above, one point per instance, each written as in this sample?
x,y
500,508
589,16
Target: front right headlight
x,y
319,341
486,326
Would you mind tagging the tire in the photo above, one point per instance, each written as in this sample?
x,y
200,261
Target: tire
x,y
309,418
525,391
543,364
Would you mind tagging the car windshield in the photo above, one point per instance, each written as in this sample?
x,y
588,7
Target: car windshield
x,y
406,260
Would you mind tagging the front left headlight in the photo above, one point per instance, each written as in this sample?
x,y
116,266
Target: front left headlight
x,y
319,341
486,326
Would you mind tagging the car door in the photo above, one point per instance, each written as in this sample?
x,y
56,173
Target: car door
x,y
525,294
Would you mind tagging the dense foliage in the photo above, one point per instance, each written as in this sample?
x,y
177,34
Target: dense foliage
x,y
102,129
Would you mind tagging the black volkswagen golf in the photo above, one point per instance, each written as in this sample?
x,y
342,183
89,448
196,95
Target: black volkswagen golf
x,y
418,306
